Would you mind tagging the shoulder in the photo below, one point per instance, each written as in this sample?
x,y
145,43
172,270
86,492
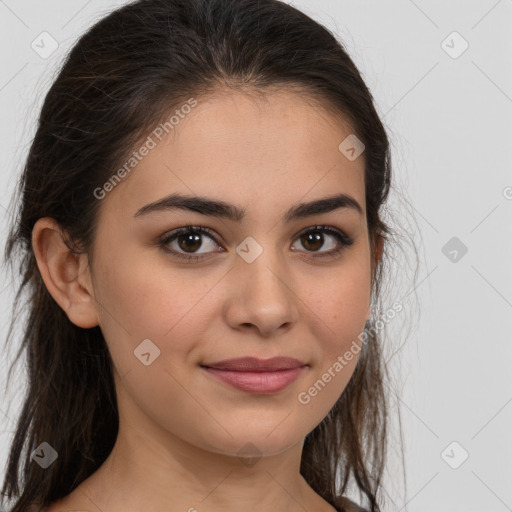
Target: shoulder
x,y
345,505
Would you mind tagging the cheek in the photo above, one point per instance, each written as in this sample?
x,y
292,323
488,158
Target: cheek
x,y
341,302
154,320
139,301
338,312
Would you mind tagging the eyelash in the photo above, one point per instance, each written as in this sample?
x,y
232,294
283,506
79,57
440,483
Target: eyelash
x,y
343,239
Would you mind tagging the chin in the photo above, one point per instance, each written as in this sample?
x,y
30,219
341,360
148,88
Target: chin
x,y
254,442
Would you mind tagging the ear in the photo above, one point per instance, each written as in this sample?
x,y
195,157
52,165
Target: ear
x,y
66,275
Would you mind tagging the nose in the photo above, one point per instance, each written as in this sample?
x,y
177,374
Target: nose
x,y
261,296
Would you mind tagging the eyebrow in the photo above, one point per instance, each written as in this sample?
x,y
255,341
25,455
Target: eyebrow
x,y
216,208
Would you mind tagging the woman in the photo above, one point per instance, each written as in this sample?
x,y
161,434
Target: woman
x,y
202,245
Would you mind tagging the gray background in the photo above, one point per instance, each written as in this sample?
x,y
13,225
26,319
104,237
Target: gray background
x,y
449,119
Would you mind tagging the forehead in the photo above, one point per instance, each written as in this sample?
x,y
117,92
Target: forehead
x,y
246,149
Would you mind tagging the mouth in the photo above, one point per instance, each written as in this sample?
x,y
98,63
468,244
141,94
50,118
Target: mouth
x,y
253,364
253,375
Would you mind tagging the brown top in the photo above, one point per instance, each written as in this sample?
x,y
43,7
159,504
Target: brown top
x,y
343,504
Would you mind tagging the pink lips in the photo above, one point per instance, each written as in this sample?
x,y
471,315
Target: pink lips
x,y
254,375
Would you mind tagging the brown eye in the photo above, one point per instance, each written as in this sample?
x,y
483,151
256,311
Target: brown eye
x,y
186,242
316,238
312,241
190,242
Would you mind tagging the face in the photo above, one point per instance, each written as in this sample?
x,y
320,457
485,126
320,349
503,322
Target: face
x,y
253,282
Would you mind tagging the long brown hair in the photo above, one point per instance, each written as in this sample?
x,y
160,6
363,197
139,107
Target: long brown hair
x,y
143,59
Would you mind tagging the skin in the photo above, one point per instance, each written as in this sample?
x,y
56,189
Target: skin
x,y
181,429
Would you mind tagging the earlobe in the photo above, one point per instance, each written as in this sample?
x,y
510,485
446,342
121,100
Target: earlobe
x,y
64,273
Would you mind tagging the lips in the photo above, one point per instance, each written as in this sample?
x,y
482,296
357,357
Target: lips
x,y
253,364
259,376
